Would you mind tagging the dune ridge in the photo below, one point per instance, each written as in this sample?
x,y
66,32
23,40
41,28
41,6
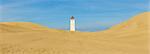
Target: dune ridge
x,y
137,22
23,27
129,37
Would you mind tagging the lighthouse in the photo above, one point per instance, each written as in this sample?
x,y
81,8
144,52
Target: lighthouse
x,y
72,24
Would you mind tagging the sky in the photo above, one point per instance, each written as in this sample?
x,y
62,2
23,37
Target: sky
x,y
90,15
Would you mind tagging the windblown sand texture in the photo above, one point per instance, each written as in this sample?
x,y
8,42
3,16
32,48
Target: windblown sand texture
x,y
129,37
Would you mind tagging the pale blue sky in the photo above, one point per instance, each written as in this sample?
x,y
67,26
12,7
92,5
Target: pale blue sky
x,y
91,15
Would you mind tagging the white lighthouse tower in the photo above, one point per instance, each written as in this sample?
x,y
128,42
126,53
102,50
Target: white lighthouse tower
x,y
72,24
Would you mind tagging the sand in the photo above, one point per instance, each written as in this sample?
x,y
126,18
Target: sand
x,y
129,37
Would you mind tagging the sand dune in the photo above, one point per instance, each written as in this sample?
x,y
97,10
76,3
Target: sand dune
x,y
130,37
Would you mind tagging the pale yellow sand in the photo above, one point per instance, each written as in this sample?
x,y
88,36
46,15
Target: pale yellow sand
x,y
130,37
